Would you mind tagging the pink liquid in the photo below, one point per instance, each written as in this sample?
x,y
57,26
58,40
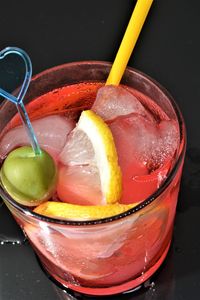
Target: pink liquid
x,y
138,177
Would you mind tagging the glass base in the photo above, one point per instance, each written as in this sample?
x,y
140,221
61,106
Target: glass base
x,y
78,292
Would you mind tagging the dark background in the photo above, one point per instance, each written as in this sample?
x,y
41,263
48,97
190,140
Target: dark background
x,y
168,50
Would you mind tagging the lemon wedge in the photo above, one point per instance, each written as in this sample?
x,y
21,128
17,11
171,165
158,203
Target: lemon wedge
x,y
92,144
66,211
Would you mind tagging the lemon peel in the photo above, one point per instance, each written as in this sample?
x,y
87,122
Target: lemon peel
x,y
66,211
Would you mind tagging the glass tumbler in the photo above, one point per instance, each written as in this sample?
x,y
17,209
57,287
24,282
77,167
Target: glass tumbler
x,y
113,255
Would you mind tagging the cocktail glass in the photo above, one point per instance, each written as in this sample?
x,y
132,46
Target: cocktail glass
x,y
113,255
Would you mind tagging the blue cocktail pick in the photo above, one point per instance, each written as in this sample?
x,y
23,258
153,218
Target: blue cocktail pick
x,y
18,100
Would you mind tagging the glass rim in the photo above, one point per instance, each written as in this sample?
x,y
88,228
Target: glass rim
x,y
27,211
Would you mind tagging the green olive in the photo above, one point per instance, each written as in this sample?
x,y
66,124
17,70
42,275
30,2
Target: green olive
x,y
28,178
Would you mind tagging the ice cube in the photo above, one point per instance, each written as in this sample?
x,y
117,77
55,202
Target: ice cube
x,y
132,134
142,148
79,185
113,101
137,139
78,149
51,132
76,251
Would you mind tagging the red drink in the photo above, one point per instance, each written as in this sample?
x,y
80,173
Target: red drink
x,y
117,254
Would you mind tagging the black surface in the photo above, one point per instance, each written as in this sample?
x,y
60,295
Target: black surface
x,y
168,50
10,233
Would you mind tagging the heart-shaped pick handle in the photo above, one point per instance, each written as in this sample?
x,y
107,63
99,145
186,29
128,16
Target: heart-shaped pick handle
x,y
28,73
18,100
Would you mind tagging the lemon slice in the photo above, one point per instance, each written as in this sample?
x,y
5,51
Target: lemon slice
x,y
66,211
93,134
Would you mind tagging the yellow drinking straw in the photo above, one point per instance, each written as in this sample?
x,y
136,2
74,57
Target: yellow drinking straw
x,y
129,40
